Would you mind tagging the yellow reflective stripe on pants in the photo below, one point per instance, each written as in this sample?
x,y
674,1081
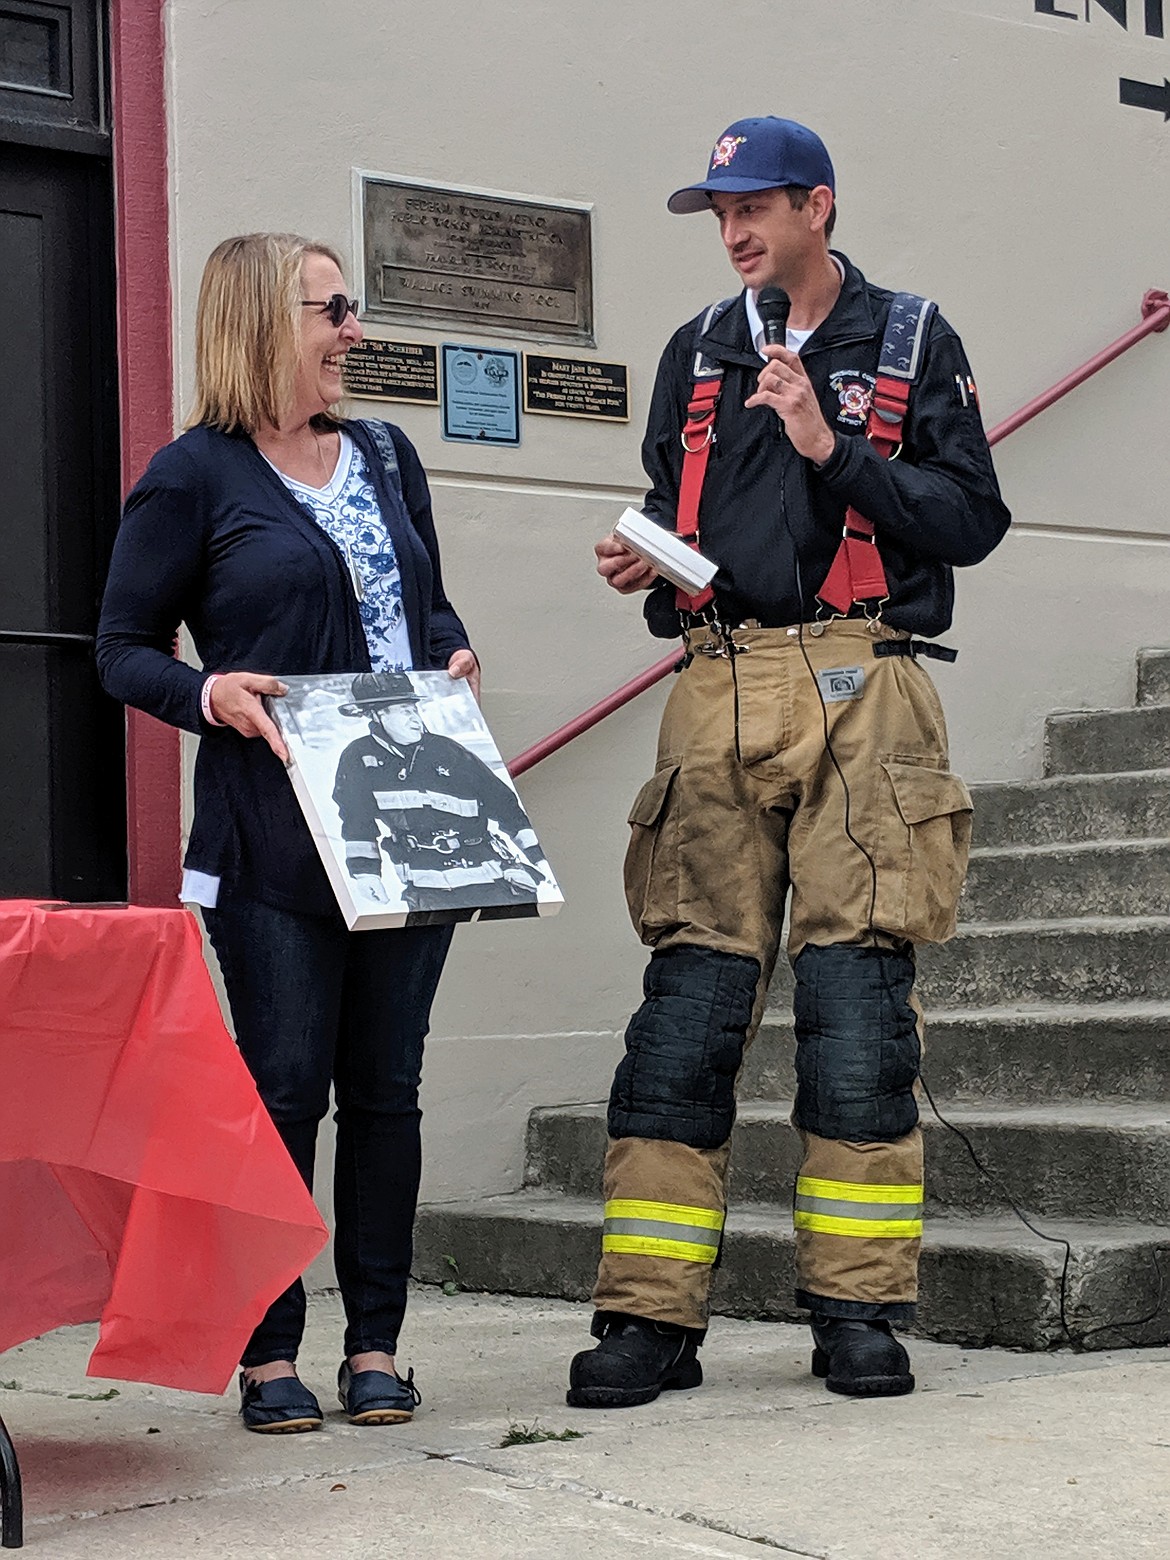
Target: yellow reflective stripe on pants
x,y
867,1211
671,1230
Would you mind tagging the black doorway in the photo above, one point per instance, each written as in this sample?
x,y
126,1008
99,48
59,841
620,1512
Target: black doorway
x,y
62,743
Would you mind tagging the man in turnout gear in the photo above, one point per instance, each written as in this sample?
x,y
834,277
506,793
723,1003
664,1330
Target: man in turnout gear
x,y
448,824
836,472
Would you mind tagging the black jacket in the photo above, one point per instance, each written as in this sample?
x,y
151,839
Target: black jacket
x,y
934,508
435,800
212,537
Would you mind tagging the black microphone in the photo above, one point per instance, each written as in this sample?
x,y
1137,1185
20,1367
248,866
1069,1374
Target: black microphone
x,y
774,304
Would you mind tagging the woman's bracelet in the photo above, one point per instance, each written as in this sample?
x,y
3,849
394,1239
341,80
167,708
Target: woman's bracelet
x,y
205,701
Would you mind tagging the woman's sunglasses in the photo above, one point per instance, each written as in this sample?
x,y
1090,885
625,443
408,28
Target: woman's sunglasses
x,y
336,307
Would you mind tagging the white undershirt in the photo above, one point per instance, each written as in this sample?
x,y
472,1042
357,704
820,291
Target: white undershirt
x,y
796,338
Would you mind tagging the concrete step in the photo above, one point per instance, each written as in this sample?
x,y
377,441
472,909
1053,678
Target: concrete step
x,y
1038,882
1107,1052
1101,741
1034,963
1055,1161
983,1281
1073,808
1153,676
1090,959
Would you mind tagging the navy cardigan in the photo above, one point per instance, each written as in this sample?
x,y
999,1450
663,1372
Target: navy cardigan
x,y
212,537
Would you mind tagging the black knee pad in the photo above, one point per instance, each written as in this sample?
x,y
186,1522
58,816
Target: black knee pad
x,y
857,1049
684,1045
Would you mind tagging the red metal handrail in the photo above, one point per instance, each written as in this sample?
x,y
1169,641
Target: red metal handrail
x,y
1155,317
596,712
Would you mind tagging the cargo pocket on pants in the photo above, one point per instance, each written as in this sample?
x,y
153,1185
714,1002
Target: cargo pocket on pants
x,y
925,837
651,869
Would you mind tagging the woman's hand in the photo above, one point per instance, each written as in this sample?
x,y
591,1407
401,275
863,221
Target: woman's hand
x,y
464,664
235,702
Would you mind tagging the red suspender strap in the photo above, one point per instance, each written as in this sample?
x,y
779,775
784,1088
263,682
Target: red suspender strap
x,y
856,574
887,413
698,435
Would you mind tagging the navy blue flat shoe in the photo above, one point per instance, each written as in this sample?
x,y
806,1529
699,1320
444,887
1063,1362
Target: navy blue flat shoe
x,y
281,1407
375,1397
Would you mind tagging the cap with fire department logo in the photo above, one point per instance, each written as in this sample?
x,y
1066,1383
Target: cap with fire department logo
x,y
759,154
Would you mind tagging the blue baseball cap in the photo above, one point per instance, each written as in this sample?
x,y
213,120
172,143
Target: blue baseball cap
x,y
759,154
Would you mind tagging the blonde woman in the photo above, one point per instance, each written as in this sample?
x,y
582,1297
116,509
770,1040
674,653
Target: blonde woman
x,y
290,540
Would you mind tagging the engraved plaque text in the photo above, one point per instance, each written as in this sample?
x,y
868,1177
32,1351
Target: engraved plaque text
x,y
490,262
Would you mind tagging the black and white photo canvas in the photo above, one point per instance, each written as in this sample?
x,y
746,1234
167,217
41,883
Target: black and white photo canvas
x,y
410,806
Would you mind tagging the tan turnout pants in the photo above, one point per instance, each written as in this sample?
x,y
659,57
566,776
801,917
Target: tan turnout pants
x,y
746,804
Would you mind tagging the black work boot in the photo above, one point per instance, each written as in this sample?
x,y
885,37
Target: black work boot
x,y
860,1359
635,1361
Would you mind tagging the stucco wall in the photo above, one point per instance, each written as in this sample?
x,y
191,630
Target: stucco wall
x,y
983,158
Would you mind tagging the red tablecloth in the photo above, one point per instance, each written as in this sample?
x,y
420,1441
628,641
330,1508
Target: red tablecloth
x,y
142,1183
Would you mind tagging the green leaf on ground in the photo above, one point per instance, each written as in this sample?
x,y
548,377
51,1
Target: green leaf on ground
x,y
532,1435
451,1286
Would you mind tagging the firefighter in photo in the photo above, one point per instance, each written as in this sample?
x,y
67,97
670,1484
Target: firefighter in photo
x,y
449,826
819,438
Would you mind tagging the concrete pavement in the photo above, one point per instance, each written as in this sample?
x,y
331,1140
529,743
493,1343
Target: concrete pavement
x,y
997,1454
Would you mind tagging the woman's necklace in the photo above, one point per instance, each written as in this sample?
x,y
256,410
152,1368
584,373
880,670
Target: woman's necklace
x,y
278,459
320,457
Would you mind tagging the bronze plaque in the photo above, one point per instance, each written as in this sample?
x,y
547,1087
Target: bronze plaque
x,y
392,371
490,262
576,387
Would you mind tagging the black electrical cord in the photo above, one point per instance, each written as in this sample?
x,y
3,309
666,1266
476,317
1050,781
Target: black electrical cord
x,y
1075,1339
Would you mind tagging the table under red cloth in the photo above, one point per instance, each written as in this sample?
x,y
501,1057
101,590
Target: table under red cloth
x,y
142,1183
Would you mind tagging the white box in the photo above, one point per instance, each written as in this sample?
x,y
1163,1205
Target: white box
x,y
674,560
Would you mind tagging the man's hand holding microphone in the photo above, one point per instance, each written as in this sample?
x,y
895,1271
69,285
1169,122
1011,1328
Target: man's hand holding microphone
x,y
785,387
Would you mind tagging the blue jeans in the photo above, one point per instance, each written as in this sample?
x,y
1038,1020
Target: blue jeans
x,y
314,1004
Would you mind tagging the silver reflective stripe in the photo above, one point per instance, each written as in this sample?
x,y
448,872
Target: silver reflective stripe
x,y
403,801
658,1230
453,877
837,1209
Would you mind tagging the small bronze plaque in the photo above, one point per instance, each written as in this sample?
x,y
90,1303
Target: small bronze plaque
x,y
491,262
576,387
392,371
